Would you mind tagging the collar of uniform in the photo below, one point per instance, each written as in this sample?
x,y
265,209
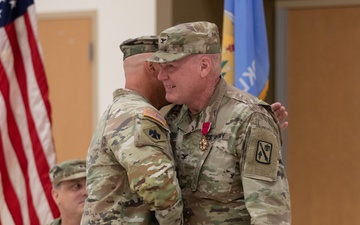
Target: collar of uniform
x,y
123,91
208,114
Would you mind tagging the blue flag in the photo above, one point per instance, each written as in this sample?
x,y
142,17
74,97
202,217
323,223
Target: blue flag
x,y
251,57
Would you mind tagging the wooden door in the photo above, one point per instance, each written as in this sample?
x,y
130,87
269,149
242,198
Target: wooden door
x,y
66,42
323,146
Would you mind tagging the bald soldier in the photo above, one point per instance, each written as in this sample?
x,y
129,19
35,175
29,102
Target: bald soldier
x,y
131,177
69,190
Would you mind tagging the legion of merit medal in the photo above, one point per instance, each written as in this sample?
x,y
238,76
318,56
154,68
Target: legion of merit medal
x,y
203,144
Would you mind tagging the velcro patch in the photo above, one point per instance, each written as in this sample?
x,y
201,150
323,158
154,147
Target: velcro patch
x,y
155,134
262,152
155,115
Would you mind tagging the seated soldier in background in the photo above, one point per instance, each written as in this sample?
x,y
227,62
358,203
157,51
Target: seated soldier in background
x,y
69,191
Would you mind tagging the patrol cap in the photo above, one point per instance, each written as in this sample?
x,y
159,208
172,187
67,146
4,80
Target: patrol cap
x,y
139,45
68,170
185,39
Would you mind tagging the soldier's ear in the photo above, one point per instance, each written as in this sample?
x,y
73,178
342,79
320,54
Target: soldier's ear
x,y
205,66
151,68
55,195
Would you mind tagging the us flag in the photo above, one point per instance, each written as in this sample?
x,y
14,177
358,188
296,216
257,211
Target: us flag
x,y
26,143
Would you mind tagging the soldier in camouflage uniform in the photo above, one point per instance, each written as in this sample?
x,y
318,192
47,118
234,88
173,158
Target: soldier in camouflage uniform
x,y
131,176
69,191
226,143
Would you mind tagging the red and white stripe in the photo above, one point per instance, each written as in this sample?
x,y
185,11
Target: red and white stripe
x,y
26,145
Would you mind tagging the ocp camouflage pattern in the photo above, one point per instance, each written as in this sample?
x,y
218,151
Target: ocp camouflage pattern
x,y
139,45
57,221
131,177
188,38
240,178
67,170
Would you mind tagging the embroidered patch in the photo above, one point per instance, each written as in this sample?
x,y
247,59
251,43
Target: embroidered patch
x,y
263,152
155,134
154,115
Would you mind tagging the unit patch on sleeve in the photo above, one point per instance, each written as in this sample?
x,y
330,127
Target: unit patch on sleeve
x,y
262,153
148,132
155,134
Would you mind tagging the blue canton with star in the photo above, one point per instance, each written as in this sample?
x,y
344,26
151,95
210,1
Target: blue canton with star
x,y
12,9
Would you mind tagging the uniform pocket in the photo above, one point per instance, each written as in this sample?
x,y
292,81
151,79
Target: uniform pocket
x,y
218,175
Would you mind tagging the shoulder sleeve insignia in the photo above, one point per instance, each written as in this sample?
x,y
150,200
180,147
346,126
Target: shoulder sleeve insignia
x,y
155,134
261,155
263,152
151,113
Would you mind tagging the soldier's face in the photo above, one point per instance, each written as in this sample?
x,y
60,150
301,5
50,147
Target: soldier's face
x,y
181,80
70,196
158,85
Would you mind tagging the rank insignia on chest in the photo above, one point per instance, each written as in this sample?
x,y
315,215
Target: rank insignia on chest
x,y
263,152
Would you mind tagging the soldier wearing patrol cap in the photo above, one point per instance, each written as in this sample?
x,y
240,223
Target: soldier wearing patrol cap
x,y
226,142
69,190
131,177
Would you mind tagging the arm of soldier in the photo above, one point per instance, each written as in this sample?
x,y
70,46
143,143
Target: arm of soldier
x,y
266,189
151,172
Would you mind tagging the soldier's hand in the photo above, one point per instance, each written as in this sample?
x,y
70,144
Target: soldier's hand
x,y
281,114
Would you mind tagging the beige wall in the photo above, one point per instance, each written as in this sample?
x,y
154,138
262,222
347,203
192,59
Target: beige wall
x,y
116,21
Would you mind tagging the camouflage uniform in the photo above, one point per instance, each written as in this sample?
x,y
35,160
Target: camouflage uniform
x,y
56,222
67,170
131,176
239,178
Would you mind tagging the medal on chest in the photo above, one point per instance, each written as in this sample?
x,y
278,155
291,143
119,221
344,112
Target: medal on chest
x,y
203,144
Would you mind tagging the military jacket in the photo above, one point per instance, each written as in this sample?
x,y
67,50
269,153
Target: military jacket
x,y
239,177
56,222
131,177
